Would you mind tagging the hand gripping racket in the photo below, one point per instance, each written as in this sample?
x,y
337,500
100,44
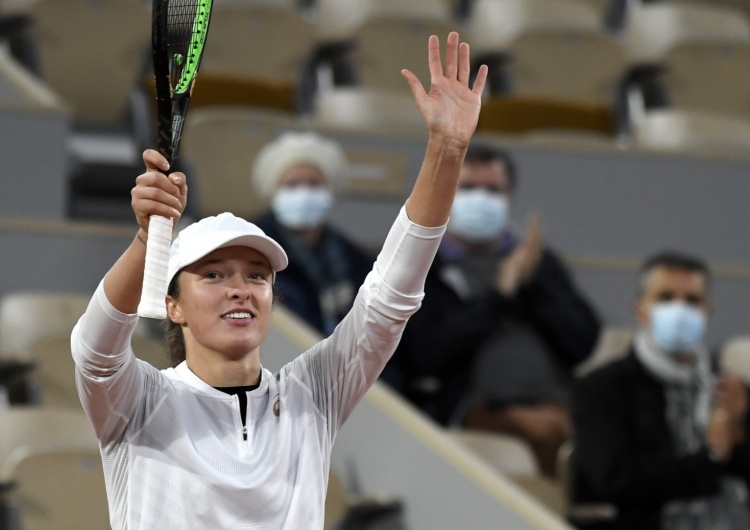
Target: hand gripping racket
x,y
179,29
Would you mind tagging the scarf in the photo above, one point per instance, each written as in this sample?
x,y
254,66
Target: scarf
x,y
688,390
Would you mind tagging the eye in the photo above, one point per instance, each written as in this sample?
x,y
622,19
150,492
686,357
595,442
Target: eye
x,y
665,296
694,300
257,276
213,275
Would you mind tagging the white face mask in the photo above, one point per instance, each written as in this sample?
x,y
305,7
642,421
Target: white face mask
x,y
302,207
677,327
478,215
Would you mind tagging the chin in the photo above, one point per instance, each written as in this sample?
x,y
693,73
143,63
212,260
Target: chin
x,y
239,350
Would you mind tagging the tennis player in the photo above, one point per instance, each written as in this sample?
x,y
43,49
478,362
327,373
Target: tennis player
x,y
219,442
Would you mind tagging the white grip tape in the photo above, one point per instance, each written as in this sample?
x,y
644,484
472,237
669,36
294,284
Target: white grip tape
x,y
155,273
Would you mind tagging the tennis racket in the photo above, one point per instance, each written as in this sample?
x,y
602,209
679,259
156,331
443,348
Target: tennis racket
x,y
179,29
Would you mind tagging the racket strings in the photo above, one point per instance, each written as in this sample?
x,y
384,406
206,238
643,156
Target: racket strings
x,y
187,23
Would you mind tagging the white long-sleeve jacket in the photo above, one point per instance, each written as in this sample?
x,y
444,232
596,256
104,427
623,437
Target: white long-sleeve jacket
x,y
172,446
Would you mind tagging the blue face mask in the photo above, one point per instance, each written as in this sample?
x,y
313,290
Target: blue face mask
x,y
478,215
677,327
302,207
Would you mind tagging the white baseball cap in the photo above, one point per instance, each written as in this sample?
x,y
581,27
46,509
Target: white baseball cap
x,y
224,230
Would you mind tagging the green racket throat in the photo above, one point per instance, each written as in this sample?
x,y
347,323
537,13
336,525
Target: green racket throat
x,y
197,41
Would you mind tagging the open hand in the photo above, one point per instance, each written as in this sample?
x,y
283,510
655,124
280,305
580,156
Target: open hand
x,y
451,108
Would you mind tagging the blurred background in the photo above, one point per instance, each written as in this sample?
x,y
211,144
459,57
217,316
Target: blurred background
x,y
629,121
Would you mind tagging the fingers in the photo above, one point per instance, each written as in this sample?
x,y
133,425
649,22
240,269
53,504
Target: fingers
x,y
534,230
730,380
155,193
457,62
154,160
451,56
730,393
415,85
481,80
728,385
145,207
433,57
464,63
178,179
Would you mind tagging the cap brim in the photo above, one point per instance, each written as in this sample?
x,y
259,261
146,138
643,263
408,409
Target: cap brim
x,y
273,252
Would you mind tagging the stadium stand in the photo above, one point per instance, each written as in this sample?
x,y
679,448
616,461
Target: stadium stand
x,y
689,57
367,109
222,183
676,129
247,44
53,378
653,29
495,24
579,514
386,43
614,342
47,347
99,94
100,84
43,451
61,310
709,77
552,66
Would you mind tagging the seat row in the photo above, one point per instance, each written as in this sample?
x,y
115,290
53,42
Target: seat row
x,y
542,47
570,77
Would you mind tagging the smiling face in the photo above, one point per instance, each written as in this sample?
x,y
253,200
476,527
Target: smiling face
x,y
224,306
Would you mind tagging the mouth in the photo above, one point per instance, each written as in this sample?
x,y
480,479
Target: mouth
x,y
237,315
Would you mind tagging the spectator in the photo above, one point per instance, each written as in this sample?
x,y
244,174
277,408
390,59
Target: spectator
x,y
502,323
298,174
659,433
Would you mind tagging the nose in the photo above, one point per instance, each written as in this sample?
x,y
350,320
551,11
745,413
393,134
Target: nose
x,y
238,289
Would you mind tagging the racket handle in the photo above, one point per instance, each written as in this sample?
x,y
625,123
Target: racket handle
x,y
154,290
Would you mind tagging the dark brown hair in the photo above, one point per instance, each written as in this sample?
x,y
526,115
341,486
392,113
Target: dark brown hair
x,y
174,340
672,259
485,153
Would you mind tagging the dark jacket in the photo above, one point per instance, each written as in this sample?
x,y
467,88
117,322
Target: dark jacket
x,y
624,449
441,339
299,288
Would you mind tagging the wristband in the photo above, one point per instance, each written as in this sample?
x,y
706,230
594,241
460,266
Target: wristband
x,y
138,235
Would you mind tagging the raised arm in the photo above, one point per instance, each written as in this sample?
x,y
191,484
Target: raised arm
x,y
154,193
451,110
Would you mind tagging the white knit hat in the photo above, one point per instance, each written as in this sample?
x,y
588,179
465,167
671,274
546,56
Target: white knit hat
x,y
292,148
224,230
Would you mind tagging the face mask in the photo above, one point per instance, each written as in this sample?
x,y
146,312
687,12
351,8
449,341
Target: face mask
x,y
301,207
677,327
478,215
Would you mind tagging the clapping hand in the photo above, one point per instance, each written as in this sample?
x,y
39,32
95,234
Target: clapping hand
x,y
520,267
726,427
